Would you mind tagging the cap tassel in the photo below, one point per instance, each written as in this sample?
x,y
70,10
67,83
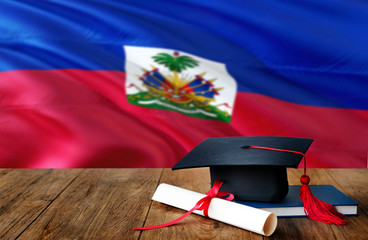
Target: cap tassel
x,y
314,209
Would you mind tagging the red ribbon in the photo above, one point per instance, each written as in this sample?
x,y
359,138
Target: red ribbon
x,y
202,205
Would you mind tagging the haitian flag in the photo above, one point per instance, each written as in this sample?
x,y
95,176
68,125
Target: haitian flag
x,y
140,83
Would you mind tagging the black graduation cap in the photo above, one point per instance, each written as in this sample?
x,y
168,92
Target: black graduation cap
x,y
250,174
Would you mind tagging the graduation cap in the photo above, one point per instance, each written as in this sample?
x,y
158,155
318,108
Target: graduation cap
x,y
254,169
251,174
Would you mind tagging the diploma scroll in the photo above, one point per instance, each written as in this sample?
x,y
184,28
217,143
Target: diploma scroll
x,y
249,218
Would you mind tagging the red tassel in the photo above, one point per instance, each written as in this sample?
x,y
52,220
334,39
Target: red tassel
x,y
316,209
313,208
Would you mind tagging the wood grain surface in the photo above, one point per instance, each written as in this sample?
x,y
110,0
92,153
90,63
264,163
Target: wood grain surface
x,y
108,203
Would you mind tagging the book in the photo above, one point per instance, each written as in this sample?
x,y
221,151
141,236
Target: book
x,y
292,206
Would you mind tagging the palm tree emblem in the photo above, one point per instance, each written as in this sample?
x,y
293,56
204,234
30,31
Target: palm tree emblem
x,y
196,90
170,88
175,64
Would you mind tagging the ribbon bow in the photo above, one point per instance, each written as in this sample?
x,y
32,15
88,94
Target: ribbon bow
x,y
202,205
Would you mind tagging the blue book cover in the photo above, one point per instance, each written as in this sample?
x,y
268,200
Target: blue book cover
x,y
293,206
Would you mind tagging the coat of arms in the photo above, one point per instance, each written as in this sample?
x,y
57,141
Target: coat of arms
x,y
181,82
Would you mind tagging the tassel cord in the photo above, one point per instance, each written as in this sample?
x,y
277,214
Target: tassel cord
x,y
313,208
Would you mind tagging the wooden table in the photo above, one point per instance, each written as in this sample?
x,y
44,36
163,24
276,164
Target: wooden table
x,y
107,203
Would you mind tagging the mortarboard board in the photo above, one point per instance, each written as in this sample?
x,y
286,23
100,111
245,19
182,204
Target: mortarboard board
x,y
251,174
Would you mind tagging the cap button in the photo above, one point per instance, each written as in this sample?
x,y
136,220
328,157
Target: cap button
x,y
304,179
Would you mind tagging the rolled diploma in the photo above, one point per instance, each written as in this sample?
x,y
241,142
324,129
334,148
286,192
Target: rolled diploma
x,y
242,216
